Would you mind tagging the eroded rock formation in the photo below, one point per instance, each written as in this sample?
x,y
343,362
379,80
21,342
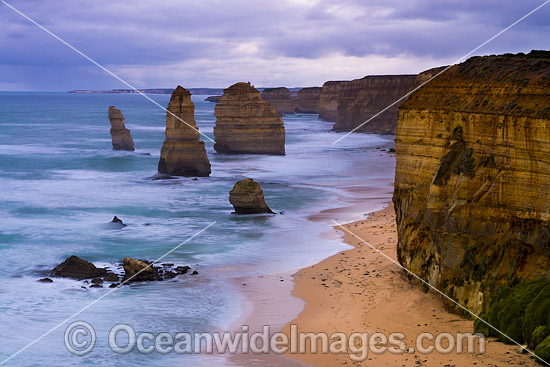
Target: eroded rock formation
x,y
472,185
247,197
183,153
363,98
121,137
279,98
328,100
308,100
76,268
245,123
213,99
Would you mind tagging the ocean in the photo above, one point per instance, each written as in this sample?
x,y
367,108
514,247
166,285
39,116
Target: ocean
x,y
61,183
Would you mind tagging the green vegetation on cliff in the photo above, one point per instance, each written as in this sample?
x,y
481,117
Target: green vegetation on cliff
x,y
522,313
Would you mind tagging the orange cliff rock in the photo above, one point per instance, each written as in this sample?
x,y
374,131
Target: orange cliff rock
x,y
121,137
308,100
361,99
279,98
246,124
328,100
183,153
472,183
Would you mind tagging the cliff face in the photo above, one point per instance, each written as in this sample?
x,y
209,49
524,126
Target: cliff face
x,y
328,100
472,185
308,100
121,137
279,98
363,98
183,153
245,123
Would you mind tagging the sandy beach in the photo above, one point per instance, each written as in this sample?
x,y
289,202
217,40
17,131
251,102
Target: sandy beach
x,y
362,291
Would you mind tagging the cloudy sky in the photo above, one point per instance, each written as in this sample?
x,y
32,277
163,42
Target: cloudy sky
x,y
214,43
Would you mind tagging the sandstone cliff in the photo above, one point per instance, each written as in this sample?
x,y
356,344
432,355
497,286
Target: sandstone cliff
x,y
308,100
363,98
121,137
183,153
328,100
279,98
472,185
245,123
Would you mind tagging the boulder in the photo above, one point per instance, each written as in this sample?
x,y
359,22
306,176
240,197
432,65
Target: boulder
x,y
183,153
138,271
111,278
247,197
76,268
120,136
246,124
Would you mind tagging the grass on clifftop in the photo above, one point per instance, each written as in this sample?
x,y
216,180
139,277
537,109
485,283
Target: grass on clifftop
x,y
523,313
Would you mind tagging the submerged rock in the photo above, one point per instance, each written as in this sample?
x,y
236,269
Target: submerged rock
x,y
247,197
120,136
45,280
246,124
183,153
116,220
76,268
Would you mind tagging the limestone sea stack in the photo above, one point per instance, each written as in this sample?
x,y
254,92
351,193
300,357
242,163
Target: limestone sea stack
x,y
328,100
183,153
247,197
121,137
472,182
308,100
246,124
279,98
361,99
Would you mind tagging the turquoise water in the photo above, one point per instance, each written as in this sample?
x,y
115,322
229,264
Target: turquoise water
x,y
60,182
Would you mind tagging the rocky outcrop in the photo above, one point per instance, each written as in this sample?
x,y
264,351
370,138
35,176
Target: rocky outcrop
x,y
247,124
308,100
279,98
213,99
247,197
121,137
472,184
147,271
361,99
328,100
183,153
76,268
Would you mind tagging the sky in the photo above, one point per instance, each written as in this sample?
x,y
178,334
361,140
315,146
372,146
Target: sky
x,y
215,43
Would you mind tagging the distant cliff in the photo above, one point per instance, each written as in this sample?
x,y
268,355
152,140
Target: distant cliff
x,y
328,100
362,99
279,98
308,100
472,184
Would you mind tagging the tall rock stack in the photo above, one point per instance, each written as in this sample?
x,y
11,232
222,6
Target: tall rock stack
x,y
361,99
328,100
308,100
121,137
472,181
246,124
183,153
279,98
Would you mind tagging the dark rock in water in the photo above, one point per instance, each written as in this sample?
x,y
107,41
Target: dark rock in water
x,y
194,272
247,197
111,278
96,286
182,269
76,268
117,220
120,135
45,280
145,154
97,281
169,275
392,150
114,285
139,271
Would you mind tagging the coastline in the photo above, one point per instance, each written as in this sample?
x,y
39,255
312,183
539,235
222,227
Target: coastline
x,y
359,290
